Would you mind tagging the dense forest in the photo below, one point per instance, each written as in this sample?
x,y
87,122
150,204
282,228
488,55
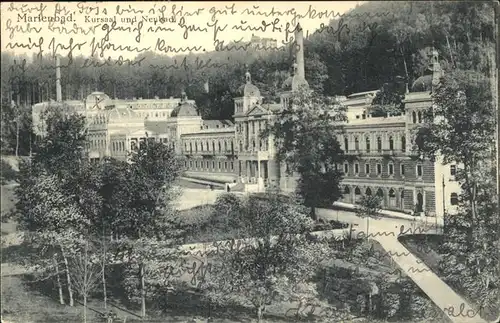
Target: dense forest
x,y
357,52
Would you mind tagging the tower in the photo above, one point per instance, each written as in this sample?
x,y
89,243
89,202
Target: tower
x,y
299,43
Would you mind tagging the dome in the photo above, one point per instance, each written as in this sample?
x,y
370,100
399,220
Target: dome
x,y
248,89
184,109
294,82
422,84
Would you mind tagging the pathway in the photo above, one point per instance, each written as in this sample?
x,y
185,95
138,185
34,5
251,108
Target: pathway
x,y
385,231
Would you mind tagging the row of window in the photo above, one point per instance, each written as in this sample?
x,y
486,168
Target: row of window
x,y
390,169
378,143
205,146
206,164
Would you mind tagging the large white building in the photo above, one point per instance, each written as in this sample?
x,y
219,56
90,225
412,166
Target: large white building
x,y
382,160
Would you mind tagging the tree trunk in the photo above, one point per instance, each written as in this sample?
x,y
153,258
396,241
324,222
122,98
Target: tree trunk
x,y
259,314
143,291
68,278
313,213
17,136
104,275
451,53
84,307
58,280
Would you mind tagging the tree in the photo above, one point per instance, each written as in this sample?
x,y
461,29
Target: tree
x,y
460,127
148,226
305,133
369,207
274,264
461,131
85,272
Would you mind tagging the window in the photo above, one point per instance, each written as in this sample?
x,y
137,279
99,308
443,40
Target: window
x,y
367,169
403,143
196,164
220,164
356,143
232,165
346,168
453,170
213,164
191,163
368,144
379,169
368,192
419,116
347,190
391,143
357,191
356,169
454,198
379,144
219,146
414,117
391,169
213,146
419,170
346,144
392,193
402,168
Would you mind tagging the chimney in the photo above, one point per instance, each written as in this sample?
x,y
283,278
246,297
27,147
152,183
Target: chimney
x,y
58,80
299,42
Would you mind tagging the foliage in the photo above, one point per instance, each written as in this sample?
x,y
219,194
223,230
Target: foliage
x,y
389,99
274,265
143,217
354,53
305,132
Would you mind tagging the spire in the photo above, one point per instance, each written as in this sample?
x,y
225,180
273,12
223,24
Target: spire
x,y
248,77
299,43
437,73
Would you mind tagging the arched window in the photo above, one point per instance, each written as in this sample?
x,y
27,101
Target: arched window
x,y
403,143
368,192
190,147
419,116
379,144
225,145
213,146
454,198
356,143
414,117
219,146
367,144
357,191
253,145
380,193
392,193
201,146
391,143
241,146
196,146
232,147
207,146
347,190
346,144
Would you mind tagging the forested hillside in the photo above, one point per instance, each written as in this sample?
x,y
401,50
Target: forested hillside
x,y
356,52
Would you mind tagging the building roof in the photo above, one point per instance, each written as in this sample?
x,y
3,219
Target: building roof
x,y
184,109
248,89
120,113
293,83
156,126
422,84
216,124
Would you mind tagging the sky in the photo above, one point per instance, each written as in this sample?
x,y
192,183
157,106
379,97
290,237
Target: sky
x,y
88,29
